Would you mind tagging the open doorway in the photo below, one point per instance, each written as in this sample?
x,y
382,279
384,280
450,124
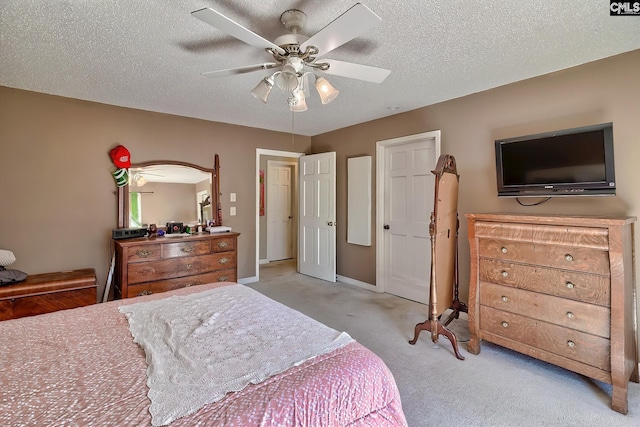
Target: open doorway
x,y
271,240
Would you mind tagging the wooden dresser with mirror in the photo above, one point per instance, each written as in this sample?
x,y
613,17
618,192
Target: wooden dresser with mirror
x,y
557,288
154,264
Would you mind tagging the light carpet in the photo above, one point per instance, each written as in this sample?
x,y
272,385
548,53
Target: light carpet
x,y
498,387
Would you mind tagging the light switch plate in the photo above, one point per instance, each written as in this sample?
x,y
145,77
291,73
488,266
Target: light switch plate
x,y
232,211
232,196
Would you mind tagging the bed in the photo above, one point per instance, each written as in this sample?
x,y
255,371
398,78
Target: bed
x,y
81,367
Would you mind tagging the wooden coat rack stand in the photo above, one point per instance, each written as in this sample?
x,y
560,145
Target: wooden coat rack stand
x,y
443,232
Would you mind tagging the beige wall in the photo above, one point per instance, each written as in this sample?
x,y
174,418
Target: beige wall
x,y
598,92
58,196
59,206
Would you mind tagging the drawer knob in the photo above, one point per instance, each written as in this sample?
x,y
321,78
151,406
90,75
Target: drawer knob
x,y
143,254
222,244
505,299
570,285
570,315
505,324
222,279
145,292
188,285
505,273
187,249
503,250
224,260
571,344
188,266
568,257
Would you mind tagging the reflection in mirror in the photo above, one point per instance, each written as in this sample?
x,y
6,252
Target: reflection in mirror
x,y
161,192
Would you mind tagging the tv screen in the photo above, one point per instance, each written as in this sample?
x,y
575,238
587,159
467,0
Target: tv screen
x,y
569,162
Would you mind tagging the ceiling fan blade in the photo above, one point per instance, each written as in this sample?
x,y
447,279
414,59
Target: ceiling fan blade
x,y
241,70
356,71
354,22
221,22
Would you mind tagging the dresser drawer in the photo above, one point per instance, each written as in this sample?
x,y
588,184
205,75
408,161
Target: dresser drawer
x,y
579,346
588,237
565,257
188,248
141,253
223,244
179,267
589,318
148,288
585,287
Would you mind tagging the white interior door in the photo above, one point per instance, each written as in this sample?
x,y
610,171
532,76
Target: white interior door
x,y
279,211
317,217
407,204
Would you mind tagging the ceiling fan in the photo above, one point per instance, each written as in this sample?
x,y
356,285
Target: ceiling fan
x,y
297,56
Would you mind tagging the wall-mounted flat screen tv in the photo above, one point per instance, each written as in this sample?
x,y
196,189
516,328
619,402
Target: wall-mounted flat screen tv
x,y
570,162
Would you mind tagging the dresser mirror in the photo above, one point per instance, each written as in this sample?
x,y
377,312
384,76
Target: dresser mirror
x,y
164,191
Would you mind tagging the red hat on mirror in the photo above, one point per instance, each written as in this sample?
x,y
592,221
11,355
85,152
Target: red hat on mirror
x,y
121,157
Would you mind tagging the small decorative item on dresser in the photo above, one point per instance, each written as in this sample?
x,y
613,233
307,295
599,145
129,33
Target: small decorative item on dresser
x,y
174,227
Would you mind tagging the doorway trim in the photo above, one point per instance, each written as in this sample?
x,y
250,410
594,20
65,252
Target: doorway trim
x,y
266,152
381,147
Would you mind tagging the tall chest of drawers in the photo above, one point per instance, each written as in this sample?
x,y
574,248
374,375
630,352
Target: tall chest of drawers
x,y
557,288
149,265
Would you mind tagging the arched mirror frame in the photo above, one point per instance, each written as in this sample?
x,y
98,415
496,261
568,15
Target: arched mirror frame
x,y
123,192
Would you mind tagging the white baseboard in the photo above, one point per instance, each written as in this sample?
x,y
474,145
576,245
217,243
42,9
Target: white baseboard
x,y
358,283
246,280
264,261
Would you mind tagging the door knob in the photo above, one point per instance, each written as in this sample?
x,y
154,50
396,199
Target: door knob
x,y
330,224
386,226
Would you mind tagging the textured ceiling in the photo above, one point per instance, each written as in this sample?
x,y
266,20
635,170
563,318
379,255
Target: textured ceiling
x,y
149,54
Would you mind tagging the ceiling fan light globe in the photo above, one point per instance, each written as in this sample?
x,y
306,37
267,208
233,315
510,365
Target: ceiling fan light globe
x,y
298,102
287,79
262,89
327,92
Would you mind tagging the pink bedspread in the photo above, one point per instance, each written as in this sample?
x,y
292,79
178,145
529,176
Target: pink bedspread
x,y
81,368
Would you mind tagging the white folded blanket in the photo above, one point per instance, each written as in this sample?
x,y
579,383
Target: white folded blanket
x,y
201,346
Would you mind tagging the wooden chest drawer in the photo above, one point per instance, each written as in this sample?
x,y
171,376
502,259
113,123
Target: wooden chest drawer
x,y
142,253
589,318
179,267
223,244
579,346
587,237
590,288
565,257
188,248
147,288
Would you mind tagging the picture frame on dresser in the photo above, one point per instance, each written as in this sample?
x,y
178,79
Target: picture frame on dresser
x,y
557,288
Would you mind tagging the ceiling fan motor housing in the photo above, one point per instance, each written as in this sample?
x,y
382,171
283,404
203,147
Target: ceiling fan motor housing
x,y
293,20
